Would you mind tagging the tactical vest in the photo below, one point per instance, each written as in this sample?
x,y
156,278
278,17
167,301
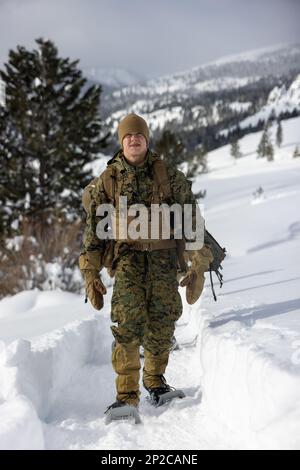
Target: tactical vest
x,y
161,192
113,180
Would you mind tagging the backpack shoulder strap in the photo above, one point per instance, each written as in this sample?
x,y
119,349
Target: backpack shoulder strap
x,y
86,195
162,179
111,182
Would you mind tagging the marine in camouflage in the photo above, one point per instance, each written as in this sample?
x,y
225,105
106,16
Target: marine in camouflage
x,y
146,302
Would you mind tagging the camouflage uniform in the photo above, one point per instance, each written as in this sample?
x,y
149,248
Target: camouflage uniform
x,y
145,302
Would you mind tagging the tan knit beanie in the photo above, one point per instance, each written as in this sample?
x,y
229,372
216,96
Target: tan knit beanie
x,y
130,124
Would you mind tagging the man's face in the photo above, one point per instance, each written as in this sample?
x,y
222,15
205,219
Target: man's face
x,y
135,148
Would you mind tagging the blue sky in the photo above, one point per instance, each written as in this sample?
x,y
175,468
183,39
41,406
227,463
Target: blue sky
x,y
150,38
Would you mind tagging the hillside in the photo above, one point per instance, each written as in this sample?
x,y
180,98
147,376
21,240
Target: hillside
x,y
201,104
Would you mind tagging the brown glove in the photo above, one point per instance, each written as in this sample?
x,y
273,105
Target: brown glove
x,y
95,289
89,264
194,279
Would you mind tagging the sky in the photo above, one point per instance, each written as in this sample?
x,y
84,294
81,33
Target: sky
x,y
148,38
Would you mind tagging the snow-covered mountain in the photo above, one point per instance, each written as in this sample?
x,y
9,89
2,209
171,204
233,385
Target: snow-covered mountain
x,y
112,77
239,358
228,72
214,94
280,100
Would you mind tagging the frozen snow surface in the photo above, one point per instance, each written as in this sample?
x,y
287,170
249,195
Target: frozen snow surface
x,y
239,357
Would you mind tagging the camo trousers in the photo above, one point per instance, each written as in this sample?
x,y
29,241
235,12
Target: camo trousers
x,y
146,302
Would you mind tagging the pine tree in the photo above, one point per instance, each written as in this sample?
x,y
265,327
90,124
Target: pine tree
x,y
197,162
49,130
262,144
265,147
296,152
170,148
235,149
269,151
201,158
279,134
2,93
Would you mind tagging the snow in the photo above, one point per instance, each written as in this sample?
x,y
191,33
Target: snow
x,y
225,73
239,106
157,119
239,357
217,84
2,93
114,77
250,346
37,82
279,101
98,166
222,165
20,426
161,117
254,55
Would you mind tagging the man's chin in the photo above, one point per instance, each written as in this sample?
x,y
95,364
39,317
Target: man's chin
x,y
136,156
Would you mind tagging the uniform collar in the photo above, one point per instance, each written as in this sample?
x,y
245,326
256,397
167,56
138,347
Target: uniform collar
x,y
119,158
130,167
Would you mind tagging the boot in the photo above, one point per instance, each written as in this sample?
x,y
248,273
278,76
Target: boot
x,y
156,393
154,381
153,378
154,368
126,363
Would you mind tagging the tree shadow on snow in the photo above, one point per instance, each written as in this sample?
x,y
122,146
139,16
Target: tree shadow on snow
x,y
259,286
294,232
261,273
251,314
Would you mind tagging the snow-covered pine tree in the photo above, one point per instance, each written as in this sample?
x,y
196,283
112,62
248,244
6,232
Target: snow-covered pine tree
x,y
170,147
279,135
265,147
49,130
201,159
196,162
2,93
296,153
262,144
269,151
235,151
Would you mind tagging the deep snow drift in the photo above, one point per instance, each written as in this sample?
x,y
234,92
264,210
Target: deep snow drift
x,y
239,357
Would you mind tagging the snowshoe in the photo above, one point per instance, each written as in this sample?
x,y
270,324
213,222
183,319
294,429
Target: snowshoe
x,y
160,395
120,411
